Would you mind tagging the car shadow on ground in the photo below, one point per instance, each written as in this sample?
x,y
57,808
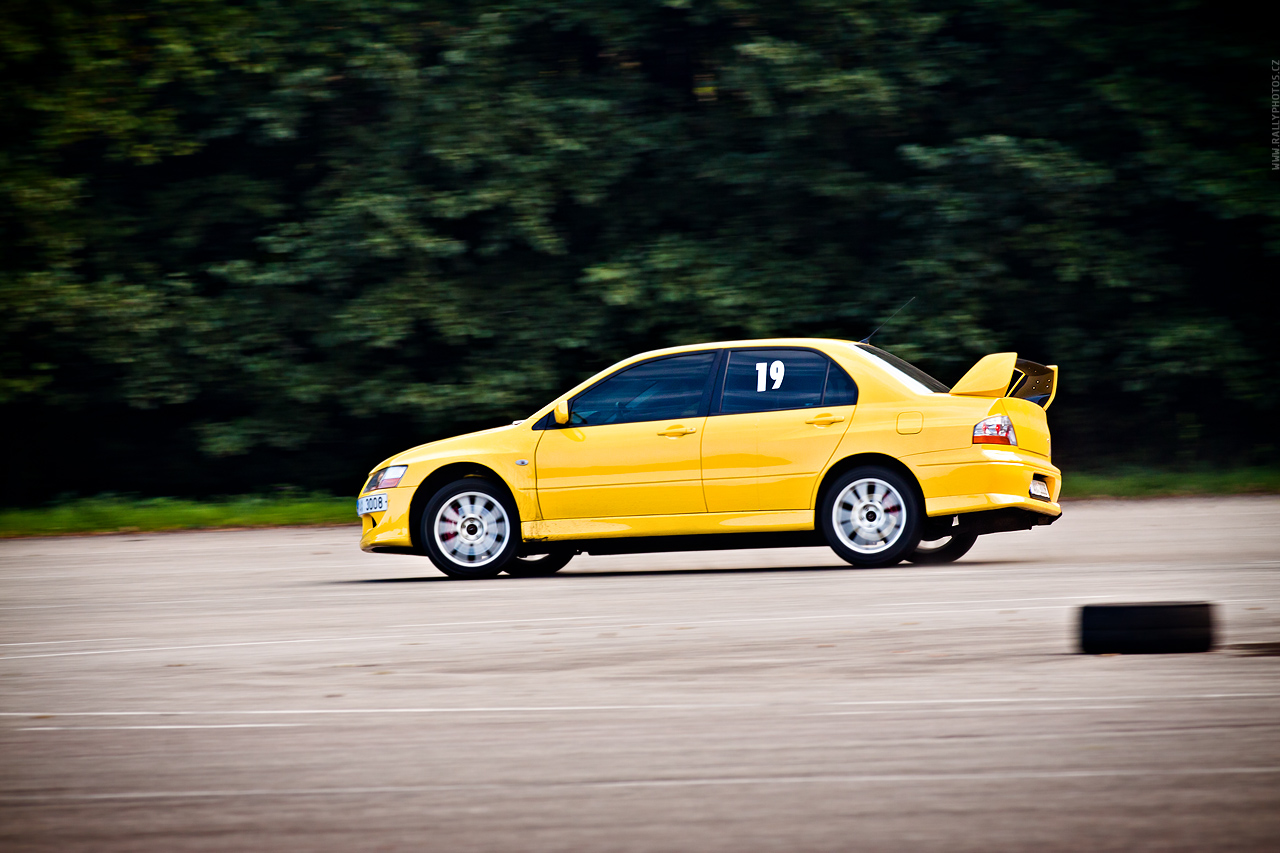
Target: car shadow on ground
x,y
710,570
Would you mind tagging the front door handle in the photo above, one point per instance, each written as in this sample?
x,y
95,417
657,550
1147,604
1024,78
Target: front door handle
x,y
676,430
825,420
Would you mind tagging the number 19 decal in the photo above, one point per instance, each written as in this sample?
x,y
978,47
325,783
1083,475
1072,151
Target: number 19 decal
x,y
776,371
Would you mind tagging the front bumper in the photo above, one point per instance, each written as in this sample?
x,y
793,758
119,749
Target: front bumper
x,y
390,529
984,477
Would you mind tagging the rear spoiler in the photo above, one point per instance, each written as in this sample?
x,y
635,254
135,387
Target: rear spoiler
x,y
1003,374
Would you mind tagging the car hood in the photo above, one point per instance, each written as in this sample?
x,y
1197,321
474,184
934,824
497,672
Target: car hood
x,y
445,446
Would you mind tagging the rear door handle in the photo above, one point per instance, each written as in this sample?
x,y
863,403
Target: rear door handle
x,y
825,420
677,430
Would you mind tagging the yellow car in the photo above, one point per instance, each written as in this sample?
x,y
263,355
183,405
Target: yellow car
x,y
740,444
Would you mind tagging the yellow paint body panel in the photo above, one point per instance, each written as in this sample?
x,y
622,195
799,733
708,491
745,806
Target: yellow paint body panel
x,y
989,377
1031,424
768,460
730,448
390,528
621,469
984,477
741,473
496,449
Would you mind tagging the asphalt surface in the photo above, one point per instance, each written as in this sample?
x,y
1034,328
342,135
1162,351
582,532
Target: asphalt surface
x,y
279,690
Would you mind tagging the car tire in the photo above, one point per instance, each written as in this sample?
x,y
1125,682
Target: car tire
x,y
947,549
470,529
871,517
540,565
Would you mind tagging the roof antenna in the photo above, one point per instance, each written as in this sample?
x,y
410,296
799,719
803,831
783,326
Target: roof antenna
x,y
867,339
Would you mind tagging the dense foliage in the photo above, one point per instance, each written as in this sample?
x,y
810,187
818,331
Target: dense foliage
x,y
254,243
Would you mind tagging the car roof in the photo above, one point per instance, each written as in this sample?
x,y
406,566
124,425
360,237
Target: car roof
x,y
808,343
843,351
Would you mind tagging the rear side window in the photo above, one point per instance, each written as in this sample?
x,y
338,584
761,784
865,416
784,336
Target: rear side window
x,y
766,380
653,391
840,388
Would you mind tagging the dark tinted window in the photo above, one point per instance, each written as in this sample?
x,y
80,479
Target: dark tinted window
x,y
765,380
840,388
653,391
908,368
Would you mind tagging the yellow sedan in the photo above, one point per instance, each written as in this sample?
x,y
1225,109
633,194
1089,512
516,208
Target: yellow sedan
x,y
740,444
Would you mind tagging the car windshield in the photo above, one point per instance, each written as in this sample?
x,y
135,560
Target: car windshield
x,y
906,367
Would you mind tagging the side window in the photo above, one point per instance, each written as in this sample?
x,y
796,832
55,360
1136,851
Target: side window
x,y
765,380
654,391
841,391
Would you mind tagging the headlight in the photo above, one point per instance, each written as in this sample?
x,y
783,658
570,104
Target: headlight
x,y
386,478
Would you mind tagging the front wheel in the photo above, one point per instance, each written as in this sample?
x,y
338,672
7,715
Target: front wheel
x,y
870,517
948,549
471,529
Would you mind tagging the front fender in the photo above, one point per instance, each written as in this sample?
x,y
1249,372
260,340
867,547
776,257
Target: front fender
x,y
500,450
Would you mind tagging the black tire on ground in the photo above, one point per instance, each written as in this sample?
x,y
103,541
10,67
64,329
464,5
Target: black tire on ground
x,y
871,517
948,549
1159,628
540,565
471,529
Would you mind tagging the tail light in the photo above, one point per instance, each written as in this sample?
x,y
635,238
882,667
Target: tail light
x,y
997,429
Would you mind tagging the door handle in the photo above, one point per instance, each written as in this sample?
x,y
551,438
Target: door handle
x,y
676,430
825,420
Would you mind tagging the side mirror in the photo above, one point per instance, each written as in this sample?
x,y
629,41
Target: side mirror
x,y
562,412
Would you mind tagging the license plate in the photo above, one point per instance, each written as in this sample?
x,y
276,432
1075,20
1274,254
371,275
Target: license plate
x,y
371,503
1040,489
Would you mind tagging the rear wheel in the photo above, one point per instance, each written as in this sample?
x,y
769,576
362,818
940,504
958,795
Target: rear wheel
x,y
948,549
540,565
870,517
471,529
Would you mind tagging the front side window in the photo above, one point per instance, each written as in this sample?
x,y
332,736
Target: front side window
x,y
766,380
653,391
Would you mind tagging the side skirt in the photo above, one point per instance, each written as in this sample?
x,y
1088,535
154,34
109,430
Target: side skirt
x,y
685,524
697,542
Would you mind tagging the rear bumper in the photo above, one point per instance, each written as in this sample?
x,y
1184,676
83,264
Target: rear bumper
x,y
982,478
985,521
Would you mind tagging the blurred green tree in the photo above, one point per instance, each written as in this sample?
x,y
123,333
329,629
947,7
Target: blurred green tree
x,y
266,242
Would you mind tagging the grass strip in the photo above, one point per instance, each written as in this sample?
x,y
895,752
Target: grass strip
x,y
1159,483
111,514
115,514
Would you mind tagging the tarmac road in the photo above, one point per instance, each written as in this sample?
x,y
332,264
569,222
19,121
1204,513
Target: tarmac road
x,y
279,690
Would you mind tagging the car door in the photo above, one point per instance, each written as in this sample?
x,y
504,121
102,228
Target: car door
x,y
632,444
775,423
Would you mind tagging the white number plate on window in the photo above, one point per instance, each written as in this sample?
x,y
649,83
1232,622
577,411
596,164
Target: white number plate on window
x,y
1040,489
371,503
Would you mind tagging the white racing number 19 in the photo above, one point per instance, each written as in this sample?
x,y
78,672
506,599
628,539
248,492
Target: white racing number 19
x,y
776,371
